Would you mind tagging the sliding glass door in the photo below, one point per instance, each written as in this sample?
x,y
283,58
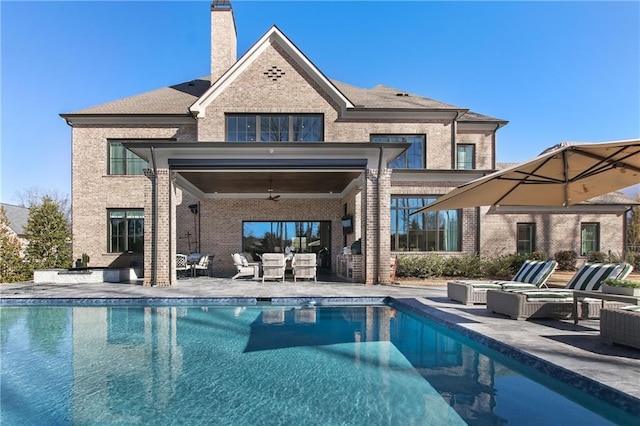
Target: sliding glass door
x,y
288,236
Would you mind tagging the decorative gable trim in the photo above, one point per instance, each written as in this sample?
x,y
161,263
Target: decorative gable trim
x,y
274,35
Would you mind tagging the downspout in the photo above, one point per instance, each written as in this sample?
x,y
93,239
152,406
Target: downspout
x,y
379,208
154,245
625,225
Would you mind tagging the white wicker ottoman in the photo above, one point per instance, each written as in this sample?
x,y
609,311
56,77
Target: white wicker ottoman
x,y
621,326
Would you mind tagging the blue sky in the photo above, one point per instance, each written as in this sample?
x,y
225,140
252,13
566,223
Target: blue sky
x,y
557,71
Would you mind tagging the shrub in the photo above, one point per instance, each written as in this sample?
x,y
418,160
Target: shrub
x,y
566,260
597,257
464,266
504,266
538,255
426,266
621,283
632,258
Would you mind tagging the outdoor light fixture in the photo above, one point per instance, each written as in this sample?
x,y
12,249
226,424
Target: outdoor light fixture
x,y
196,231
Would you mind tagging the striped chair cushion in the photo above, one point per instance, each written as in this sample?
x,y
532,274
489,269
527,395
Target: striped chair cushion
x,y
479,284
535,272
548,295
590,275
514,285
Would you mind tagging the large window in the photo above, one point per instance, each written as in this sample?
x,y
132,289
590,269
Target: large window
x,y
124,162
275,128
589,238
126,231
276,236
430,231
466,159
526,238
413,157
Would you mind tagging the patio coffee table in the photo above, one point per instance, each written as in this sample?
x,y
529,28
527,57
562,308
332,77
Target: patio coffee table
x,y
632,300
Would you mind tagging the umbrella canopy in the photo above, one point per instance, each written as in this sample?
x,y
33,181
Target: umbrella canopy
x,y
563,175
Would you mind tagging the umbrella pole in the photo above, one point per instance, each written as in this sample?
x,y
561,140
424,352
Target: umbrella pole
x,y
565,160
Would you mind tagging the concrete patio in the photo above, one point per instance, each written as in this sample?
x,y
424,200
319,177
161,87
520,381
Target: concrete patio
x,y
573,353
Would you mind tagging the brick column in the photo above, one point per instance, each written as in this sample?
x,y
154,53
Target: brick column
x,y
157,253
377,226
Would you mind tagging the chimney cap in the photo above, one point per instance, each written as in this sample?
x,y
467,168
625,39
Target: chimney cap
x,y
221,4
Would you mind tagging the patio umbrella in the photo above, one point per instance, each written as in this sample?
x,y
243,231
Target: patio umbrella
x,y
563,175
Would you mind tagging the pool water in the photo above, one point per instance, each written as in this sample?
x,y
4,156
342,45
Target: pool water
x,y
354,365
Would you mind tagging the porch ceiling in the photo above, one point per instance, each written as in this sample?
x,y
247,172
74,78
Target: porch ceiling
x,y
257,182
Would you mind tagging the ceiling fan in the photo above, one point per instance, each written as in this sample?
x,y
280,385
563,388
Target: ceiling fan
x,y
272,197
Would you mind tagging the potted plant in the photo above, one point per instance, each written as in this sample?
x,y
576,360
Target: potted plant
x,y
624,287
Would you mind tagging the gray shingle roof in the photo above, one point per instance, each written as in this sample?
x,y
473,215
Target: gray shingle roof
x,y
17,217
176,100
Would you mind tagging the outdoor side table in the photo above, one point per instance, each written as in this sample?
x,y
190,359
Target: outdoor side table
x,y
632,300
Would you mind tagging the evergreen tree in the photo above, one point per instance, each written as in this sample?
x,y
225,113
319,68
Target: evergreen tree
x,y
12,267
49,236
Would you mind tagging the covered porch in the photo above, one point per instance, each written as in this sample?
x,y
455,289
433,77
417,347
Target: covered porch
x,y
225,198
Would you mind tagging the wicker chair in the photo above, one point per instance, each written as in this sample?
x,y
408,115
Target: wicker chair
x,y
558,302
532,274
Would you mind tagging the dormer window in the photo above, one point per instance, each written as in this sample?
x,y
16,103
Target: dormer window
x,y
275,128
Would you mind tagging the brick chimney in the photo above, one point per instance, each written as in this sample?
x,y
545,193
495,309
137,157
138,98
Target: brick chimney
x,y
223,38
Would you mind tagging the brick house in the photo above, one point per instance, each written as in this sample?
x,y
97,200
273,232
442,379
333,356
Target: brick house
x,y
267,152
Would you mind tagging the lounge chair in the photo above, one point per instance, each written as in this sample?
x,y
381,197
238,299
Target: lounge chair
x,y
621,326
244,267
273,266
532,274
558,302
304,266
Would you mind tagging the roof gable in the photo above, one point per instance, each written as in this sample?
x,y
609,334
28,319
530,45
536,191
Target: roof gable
x,y
273,36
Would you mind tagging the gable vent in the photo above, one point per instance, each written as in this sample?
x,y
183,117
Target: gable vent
x,y
274,73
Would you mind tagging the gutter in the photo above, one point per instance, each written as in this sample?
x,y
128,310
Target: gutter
x,y
154,245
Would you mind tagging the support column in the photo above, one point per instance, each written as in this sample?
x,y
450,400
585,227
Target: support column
x,y
376,241
157,236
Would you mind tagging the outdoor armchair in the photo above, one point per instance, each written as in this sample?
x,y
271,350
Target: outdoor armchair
x,y
245,268
273,266
182,265
304,266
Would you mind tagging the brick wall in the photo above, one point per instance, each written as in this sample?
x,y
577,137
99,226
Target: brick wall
x,y
94,191
555,232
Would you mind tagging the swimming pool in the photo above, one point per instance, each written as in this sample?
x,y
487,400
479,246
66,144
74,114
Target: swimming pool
x,y
267,365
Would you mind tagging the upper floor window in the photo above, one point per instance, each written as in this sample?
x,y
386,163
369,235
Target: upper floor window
x,y
589,238
413,157
275,128
124,162
466,159
429,231
526,238
126,231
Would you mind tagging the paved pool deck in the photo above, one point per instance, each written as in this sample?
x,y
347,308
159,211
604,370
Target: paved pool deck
x,y
573,353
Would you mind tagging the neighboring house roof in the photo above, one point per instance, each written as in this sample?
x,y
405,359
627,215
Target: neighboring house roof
x,y
17,217
192,96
